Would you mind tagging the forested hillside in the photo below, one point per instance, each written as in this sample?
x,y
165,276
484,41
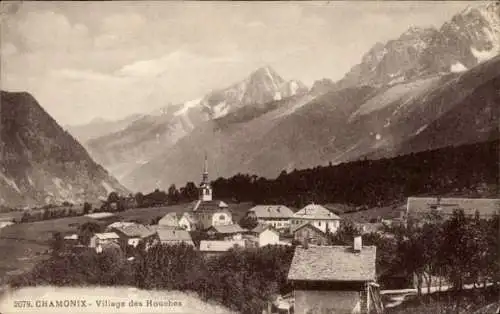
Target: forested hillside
x,y
468,170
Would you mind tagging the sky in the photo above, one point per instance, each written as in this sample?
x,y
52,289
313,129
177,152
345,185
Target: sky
x,y
88,60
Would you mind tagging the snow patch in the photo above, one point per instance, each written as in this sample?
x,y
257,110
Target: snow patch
x,y
187,105
484,55
378,137
421,129
458,67
10,182
107,187
294,87
221,109
275,86
277,96
30,181
58,182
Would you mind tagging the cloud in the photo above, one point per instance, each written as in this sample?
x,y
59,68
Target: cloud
x,y
118,29
8,49
80,75
176,61
47,30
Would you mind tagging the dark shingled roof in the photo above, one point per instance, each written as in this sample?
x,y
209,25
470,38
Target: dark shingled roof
x,y
333,263
271,211
228,229
170,236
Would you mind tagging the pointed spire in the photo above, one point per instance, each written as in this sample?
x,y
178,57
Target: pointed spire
x,y
205,167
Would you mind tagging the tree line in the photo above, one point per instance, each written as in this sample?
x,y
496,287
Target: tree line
x,y
468,170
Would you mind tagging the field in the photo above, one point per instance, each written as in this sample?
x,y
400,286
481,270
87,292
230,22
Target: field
x,y
387,212
25,244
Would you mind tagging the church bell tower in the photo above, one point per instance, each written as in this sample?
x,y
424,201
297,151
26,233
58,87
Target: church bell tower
x,y
205,188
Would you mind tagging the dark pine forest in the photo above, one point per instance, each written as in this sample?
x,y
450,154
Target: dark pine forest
x,y
467,170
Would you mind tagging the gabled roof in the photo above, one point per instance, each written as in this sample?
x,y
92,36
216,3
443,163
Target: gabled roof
x,y
107,236
172,236
71,237
119,224
333,263
220,246
314,211
189,217
271,211
169,219
213,205
263,227
485,206
136,230
228,229
308,225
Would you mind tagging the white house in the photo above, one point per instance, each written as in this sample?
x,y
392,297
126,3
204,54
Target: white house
x,y
99,240
266,235
277,216
317,216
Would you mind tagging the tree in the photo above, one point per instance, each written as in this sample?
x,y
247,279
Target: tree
x,y
113,197
86,231
249,222
86,208
189,192
139,198
57,243
173,194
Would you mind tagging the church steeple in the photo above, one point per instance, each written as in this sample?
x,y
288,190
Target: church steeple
x,y
205,188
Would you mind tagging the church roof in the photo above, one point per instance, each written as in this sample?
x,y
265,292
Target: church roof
x,y
213,205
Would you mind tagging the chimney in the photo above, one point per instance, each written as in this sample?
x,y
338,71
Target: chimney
x,y
358,244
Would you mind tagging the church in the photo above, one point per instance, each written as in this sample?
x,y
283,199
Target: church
x,y
207,211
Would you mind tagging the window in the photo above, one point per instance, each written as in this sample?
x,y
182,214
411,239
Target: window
x,y
319,223
221,217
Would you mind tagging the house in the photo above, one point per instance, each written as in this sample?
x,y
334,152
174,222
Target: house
x,y
335,279
277,216
216,248
266,235
70,240
188,222
308,233
207,211
132,234
98,240
174,236
170,220
318,216
226,232
419,207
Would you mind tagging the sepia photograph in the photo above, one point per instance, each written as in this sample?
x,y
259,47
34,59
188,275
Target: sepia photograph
x,y
250,157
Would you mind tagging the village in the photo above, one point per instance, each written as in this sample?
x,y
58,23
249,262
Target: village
x,y
341,277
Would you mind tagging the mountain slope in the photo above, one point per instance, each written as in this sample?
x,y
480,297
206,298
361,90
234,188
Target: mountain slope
x,y
41,163
153,134
99,127
338,126
471,37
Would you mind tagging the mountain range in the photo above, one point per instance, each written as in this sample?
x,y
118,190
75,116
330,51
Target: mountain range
x,y
426,89
407,95
40,162
149,136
